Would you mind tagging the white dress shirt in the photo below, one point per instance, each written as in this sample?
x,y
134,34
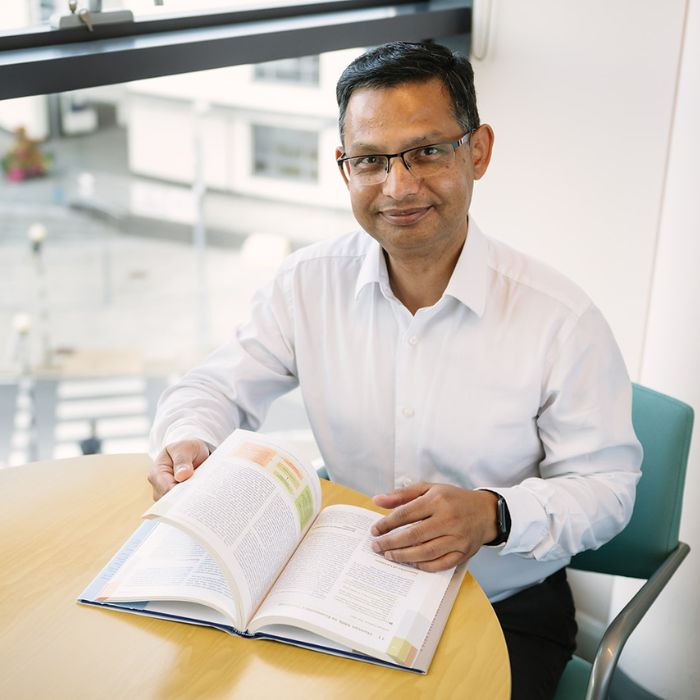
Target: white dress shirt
x,y
512,381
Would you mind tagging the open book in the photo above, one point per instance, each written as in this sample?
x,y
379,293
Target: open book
x,y
245,547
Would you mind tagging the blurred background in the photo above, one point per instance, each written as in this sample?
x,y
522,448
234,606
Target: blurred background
x,y
137,221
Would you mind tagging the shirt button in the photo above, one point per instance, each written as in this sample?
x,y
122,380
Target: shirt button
x,y
406,481
412,340
408,412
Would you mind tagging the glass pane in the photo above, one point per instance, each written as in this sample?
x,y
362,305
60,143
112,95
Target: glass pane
x,y
19,14
135,234
304,71
148,8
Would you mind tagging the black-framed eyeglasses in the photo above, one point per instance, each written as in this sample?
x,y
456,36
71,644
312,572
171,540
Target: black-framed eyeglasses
x,y
421,161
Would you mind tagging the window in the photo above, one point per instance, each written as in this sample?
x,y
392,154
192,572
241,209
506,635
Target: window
x,y
143,182
290,154
303,71
143,144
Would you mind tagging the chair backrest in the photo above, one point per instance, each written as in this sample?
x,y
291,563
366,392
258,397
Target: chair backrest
x,y
663,426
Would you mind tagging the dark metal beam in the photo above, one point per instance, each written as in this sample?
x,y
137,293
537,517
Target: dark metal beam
x,y
43,35
71,66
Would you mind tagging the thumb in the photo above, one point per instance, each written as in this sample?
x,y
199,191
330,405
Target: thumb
x,y
182,471
398,497
186,457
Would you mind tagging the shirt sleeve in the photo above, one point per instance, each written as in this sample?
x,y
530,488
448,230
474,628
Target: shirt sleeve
x,y
236,384
588,476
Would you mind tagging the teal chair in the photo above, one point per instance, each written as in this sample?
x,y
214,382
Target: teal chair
x,y
648,548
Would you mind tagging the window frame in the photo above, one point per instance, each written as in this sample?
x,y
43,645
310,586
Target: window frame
x,y
44,61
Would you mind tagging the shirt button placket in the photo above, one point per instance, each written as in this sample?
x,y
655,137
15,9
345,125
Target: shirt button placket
x,y
405,467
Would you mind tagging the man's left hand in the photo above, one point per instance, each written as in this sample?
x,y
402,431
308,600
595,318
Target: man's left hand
x,y
446,525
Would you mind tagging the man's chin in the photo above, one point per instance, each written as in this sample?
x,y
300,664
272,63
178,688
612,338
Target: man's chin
x,y
406,238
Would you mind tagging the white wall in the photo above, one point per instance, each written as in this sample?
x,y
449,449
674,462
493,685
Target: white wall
x,y
663,654
580,95
582,98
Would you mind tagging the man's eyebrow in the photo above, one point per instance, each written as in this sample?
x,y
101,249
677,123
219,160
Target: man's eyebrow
x,y
362,148
425,139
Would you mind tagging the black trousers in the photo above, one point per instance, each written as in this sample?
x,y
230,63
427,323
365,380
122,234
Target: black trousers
x,y
540,630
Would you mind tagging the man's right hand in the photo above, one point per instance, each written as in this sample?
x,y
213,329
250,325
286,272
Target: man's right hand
x,y
176,463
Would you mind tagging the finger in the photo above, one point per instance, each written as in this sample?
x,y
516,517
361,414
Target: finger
x,y
160,475
400,496
183,471
406,536
181,457
443,563
412,512
203,453
161,483
424,552
186,456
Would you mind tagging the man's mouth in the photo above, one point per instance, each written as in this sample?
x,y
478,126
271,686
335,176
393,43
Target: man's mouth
x,y
405,217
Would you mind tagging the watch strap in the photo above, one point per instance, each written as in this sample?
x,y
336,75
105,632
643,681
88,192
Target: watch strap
x,y
502,520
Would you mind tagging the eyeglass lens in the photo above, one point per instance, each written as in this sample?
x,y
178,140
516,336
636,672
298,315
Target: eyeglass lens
x,y
421,161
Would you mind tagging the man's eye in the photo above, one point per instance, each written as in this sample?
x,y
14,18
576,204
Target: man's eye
x,y
434,153
367,162
429,153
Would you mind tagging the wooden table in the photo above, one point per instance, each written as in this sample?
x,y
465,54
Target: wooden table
x,y
60,521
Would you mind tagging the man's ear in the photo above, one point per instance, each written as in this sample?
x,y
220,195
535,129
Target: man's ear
x,y
339,154
481,147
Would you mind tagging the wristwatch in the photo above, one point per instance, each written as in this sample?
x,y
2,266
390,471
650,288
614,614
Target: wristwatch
x,y
502,520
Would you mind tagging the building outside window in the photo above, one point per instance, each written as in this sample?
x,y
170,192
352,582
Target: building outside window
x,y
290,154
304,71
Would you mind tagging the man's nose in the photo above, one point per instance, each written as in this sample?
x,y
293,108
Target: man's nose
x,y
400,181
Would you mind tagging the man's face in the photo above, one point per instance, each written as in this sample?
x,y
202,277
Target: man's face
x,y
406,214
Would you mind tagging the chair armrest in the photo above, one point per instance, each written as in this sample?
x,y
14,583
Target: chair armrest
x,y
623,625
319,465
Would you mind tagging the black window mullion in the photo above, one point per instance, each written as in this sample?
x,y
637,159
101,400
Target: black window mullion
x,y
48,69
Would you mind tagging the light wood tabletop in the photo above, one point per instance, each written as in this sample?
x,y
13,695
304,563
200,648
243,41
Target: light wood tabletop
x,y
62,520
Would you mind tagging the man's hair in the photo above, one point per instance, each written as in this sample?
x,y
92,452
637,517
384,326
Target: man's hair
x,y
402,62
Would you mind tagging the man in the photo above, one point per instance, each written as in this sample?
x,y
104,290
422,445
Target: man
x,y
480,392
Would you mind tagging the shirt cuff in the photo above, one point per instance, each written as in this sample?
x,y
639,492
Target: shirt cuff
x,y
528,520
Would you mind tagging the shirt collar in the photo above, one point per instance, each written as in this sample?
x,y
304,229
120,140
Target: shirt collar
x,y
467,283
373,270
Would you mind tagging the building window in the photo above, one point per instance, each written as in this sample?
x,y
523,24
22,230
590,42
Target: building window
x,y
291,154
302,71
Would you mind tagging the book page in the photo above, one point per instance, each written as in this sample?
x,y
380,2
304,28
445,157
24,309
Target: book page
x,y
336,586
249,504
168,565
